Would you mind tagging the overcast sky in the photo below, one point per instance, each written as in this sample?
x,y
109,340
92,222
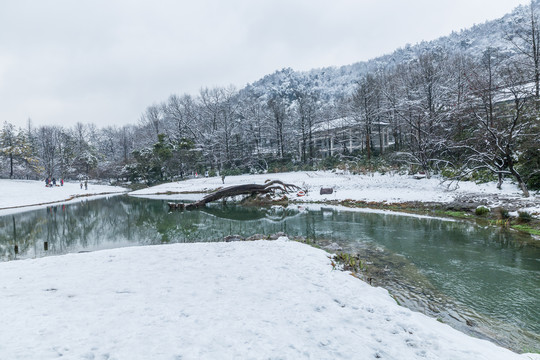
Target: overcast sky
x,y
105,61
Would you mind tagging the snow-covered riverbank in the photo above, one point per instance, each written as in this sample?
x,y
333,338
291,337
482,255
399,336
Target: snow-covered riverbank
x,y
263,299
23,195
387,188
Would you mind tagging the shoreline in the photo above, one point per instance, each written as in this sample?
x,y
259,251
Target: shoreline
x,y
434,210
391,191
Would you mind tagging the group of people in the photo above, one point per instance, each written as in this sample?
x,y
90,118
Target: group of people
x,y
52,182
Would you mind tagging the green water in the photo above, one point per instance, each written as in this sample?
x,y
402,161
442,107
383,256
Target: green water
x,y
484,281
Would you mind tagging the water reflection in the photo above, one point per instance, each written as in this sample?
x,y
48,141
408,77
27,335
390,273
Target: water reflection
x,y
122,221
483,276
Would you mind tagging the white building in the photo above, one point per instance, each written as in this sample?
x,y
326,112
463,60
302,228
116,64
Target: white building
x,y
346,134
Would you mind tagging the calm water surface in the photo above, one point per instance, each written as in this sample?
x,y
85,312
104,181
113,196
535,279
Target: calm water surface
x,y
484,281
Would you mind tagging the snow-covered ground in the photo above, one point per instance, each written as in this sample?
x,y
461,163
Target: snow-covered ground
x,y
22,195
244,300
389,188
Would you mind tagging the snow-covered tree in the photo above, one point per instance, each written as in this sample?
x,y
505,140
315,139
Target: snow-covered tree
x,y
307,114
365,108
8,147
16,148
47,137
423,107
503,119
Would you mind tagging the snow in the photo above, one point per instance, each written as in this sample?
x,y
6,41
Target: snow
x,y
28,193
263,299
387,188
322,207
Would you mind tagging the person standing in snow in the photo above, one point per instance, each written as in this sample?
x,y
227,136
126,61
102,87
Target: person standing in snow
x,y
85,184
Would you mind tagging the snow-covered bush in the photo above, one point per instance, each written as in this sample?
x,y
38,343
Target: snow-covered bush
x,y
481,210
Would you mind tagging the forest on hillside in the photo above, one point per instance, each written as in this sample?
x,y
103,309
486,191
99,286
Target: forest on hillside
x,y
455,112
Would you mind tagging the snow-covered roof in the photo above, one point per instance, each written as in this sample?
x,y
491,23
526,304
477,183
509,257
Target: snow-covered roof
x,y
341,123
507,94
334,124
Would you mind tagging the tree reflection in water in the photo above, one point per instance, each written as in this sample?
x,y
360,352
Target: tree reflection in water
x,y
122,221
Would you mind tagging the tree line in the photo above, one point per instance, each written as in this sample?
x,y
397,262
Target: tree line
x,y
449,112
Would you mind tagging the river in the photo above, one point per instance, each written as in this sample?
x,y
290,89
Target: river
x,y
484,281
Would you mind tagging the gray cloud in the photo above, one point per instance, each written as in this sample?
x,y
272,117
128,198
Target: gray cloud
x,y
64,61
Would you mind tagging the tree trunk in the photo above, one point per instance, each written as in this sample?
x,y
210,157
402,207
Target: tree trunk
x,y
520,182
381,139
368,145
499,183
247,189
11,165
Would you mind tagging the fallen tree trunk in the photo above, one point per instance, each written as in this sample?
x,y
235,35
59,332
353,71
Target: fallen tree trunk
x,y
247,189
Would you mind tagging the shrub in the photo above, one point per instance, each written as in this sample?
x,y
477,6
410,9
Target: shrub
x,y
524,216
533,182
481,211
528,165
329,163
449,173
482,176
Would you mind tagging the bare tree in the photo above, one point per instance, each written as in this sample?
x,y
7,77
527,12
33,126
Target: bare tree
x,y
181,112
365,107
502,118
423,107
48,148
307,113
279,108
389,85
152,119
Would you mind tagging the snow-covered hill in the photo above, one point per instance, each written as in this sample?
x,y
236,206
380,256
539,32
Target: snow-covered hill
x,y
338,81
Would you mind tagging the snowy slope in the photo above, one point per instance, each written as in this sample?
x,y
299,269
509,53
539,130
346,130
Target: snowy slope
x,y
244,300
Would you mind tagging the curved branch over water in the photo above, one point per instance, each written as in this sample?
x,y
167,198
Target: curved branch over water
x,y
252,190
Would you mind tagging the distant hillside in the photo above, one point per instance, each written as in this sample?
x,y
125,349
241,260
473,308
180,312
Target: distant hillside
x,y
336,82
